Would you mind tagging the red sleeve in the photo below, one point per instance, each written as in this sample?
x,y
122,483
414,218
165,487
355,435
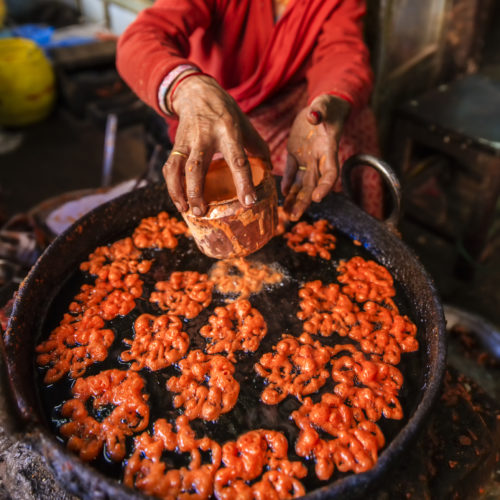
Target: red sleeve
x,y
157,42
340,63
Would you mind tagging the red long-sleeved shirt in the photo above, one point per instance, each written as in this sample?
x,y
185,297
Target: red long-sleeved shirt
x,y
252,57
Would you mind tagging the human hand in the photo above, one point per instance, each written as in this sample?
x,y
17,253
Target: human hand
x,y
210,121
312,164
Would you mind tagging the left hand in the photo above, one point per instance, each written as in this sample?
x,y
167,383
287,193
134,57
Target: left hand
x,y
312,164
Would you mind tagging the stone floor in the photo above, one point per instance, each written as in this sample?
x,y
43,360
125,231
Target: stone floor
x,y
23,473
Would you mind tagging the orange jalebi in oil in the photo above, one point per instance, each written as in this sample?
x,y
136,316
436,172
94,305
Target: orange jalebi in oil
x,y
158,342
103,300
246,459
365,280
160,231
206,388
112,262
235,327
354,446
117,285
74,345
296,366
361,369
313,239
146,471
186,293
81,339
86,433
368,385
242,277
325,309
382,331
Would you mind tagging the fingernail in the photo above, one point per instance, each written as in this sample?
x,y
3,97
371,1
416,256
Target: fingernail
x,y
197,211
250,199
316,115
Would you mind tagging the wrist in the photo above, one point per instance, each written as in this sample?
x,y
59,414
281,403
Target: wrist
x,y
170,96
166,85
338,107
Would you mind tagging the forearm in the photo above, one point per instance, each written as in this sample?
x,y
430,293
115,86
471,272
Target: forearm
x,y
340,65
157,42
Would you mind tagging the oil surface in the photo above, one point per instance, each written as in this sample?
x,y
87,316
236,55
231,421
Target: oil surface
x,y
278,304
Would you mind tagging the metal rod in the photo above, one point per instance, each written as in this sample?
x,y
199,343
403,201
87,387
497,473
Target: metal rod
x,y
109,148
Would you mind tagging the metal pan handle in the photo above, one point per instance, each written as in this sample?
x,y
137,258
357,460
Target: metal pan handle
x,y
387,173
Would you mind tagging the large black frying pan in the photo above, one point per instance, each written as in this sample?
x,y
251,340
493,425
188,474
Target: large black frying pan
x,y
49,279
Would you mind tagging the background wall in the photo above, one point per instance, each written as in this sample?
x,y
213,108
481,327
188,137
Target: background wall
x,y
116,14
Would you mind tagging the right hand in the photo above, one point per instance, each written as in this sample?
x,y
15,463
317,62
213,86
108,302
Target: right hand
x,y
210,121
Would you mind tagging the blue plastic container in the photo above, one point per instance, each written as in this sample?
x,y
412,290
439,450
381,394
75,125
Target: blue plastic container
x,y
41,34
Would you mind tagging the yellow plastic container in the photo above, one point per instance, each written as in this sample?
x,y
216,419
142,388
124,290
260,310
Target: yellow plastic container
x,y
27,83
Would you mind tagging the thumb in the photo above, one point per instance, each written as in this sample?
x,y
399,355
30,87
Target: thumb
x,y
317,111
328,109
314,117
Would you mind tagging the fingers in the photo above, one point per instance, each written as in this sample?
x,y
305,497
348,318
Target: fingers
x,y
173,173
242,176
300,195
329,169
291,197
328,109
307,187
236,158
196,169
185,178
289,175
